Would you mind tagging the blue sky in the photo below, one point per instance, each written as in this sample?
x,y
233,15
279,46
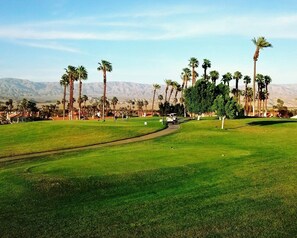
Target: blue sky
x,y
146,41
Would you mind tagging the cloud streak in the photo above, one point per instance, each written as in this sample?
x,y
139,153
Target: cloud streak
x,y
150,25
49,45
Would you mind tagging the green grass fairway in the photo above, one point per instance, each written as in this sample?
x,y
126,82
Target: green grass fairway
x,y
198,182
26,138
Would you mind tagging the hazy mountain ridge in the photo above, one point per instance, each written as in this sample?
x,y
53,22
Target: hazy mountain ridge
x,y
43,91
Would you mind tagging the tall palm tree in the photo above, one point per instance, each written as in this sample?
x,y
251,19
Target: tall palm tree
x,y
214,75
104,66
237,76
247,80
260,43
114,102
64,82
82,75
226,78
193,63
72,76
267,81
206,64
156,87
168,84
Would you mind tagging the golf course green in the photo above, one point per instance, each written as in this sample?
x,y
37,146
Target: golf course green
x,y
200,181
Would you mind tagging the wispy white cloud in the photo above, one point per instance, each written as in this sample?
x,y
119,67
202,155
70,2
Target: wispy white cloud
x,y
49,45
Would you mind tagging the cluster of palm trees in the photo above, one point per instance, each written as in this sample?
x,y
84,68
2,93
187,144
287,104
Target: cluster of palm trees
x,y
79,74
71,75
250,94
260,43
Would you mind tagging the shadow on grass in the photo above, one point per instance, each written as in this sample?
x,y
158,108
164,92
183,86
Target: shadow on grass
x,y
272,122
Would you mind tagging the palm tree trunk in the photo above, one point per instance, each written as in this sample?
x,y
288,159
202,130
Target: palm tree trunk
x,y
236,87
176,92
71,100
266,97
245,100
104,95
64,102
259,105
171,91
193,76
153,102
79,98
254,87
166,90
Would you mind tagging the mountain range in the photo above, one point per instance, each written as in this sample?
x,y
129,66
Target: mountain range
x,y
51,91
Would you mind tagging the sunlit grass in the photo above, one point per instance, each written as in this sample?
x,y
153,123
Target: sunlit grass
x,y
25,138
198,182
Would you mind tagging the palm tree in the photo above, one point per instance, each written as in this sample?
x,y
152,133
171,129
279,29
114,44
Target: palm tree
x,y
267,81
177,90
260,82
9,105
173,86
160,98
206,64
168,83
193,63
260,43
156,87
246,80
214,75
82,75
249,95
104,66
226,78
139,104
237,76
64,82
145,103
85,98
185,76
114,102
72,76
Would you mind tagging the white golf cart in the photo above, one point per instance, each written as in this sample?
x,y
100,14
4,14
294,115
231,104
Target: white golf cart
x,y
171,118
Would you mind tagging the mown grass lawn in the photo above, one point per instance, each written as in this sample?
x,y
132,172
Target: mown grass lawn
x,y
31,137
198,182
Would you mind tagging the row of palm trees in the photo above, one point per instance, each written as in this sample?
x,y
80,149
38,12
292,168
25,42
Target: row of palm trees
x,y
78,74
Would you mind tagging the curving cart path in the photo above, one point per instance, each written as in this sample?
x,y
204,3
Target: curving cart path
x,y
169,130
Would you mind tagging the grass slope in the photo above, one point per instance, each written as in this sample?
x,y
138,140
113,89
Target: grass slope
x,y
25,138
199,182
